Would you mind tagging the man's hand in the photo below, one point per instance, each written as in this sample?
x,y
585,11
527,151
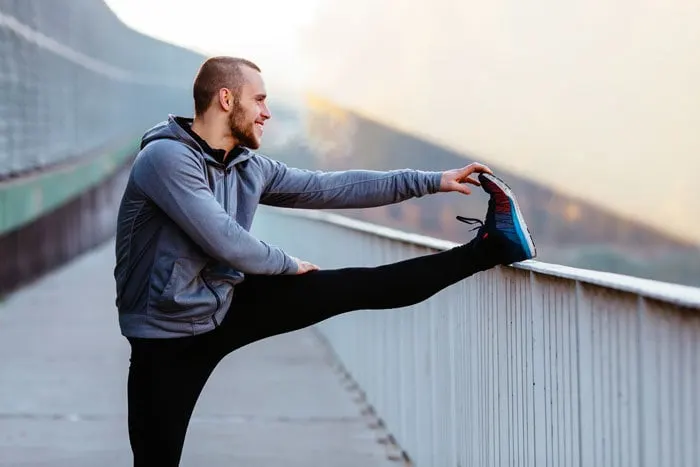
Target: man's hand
x,y
305,266
455,180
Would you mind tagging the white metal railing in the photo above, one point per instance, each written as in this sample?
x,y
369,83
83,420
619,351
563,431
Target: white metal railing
x,y
535,364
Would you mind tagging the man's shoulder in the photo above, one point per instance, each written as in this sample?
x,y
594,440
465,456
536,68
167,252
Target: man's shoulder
x,y
257,156
167,144
168,149
166,158
263,160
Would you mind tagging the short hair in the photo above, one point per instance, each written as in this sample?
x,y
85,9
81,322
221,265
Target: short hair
x,y
216,73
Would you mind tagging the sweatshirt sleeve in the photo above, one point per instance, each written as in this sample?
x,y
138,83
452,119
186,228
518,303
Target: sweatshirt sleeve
x,y
299,188
174,180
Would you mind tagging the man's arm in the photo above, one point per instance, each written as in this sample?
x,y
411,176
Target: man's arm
x,y
173,179
299,188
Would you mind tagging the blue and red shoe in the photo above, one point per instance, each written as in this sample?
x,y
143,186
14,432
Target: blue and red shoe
x,y
504,230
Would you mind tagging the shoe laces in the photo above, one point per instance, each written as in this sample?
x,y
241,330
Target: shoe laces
x,y
471,220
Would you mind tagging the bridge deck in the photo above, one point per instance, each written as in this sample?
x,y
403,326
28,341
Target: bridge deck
x,y
63,389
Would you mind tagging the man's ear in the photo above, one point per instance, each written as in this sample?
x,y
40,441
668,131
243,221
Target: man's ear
x,y
225,99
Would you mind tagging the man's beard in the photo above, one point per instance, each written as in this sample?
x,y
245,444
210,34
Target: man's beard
x,y
243,131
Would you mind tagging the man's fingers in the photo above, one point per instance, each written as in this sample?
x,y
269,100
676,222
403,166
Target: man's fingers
x,y
464,189
472,181
483,168
476,167
305,266
464,177
456,179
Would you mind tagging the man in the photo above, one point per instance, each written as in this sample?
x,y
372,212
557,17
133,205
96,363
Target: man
x,y
193,285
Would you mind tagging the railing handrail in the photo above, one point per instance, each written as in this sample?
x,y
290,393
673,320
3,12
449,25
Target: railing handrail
x,y
680,295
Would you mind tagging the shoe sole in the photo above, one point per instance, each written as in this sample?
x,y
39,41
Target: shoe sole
x,y
521,228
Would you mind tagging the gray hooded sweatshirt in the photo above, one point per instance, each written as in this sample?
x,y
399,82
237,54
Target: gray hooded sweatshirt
x,y
183,240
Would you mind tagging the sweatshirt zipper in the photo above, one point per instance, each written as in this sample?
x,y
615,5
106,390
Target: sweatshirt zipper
x,y
216,296
226,172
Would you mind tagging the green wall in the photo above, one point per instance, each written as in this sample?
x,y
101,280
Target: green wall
x,y
28,198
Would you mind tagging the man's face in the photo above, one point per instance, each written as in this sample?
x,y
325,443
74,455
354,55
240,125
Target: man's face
x,y
249,112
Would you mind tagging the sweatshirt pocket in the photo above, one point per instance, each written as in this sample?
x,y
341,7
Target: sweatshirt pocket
x,y
185,294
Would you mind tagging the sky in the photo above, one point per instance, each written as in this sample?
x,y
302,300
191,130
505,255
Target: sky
x,y
599,99
267,31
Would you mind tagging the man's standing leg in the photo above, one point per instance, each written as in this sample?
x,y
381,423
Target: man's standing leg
x,y
166,377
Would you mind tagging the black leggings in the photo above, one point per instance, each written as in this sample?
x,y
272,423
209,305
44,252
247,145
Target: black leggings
x,y
166,376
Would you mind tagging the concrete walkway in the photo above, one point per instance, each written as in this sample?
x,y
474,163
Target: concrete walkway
x,y
63,367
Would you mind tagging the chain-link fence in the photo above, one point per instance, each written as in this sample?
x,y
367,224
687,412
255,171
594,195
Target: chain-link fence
x,y
74,79
75,82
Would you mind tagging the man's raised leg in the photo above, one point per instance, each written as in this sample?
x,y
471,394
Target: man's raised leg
x,y
270,305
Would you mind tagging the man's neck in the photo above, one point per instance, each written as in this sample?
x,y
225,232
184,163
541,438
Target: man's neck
x,y
215,136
